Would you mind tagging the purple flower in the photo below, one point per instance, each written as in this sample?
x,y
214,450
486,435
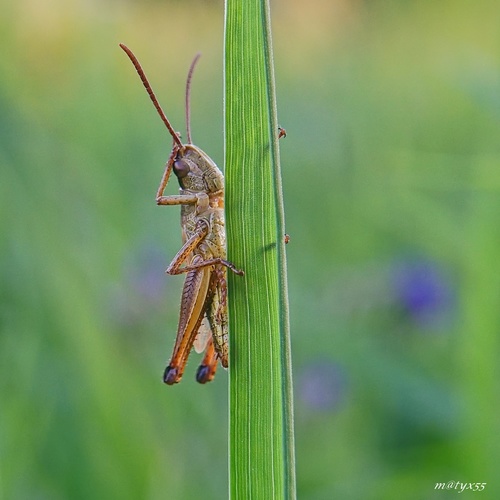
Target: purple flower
x,y
423,290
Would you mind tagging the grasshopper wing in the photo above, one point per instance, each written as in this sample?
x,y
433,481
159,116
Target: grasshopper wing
x,y
203,336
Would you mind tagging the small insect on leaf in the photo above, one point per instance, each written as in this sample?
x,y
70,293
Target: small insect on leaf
x,y
281,132
202,257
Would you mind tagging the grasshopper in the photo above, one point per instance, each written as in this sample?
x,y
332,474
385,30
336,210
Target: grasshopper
x,y
202,257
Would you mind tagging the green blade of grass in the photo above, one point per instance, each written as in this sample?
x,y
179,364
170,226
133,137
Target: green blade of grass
x,y
261,445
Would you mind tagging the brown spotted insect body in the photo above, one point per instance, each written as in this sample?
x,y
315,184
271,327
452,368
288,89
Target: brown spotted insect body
x,y
203,312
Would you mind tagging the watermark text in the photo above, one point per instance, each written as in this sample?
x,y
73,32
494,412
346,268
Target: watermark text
x,y
459,486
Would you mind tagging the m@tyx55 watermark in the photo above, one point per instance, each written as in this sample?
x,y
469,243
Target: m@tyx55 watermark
x,y
459,486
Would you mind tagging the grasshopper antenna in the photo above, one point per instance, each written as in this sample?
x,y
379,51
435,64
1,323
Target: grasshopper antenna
x,y
147,86
188,96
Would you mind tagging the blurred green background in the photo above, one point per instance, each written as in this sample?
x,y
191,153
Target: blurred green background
x,y
392,182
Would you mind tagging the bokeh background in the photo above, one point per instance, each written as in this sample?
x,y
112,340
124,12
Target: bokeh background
x,y
391,173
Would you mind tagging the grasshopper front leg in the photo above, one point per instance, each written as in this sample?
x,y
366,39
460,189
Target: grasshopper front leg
x,y
182,199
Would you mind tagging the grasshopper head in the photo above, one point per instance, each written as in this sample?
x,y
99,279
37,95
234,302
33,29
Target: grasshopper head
x,y
196,171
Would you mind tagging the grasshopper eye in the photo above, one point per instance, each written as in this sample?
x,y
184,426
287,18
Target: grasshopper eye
x,y
181,168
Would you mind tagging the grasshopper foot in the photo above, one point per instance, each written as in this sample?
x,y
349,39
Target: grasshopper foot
x,y
204,374
171,375
233,268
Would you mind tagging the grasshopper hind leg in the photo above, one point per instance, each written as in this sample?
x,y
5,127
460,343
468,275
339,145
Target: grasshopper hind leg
x,y
195,296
